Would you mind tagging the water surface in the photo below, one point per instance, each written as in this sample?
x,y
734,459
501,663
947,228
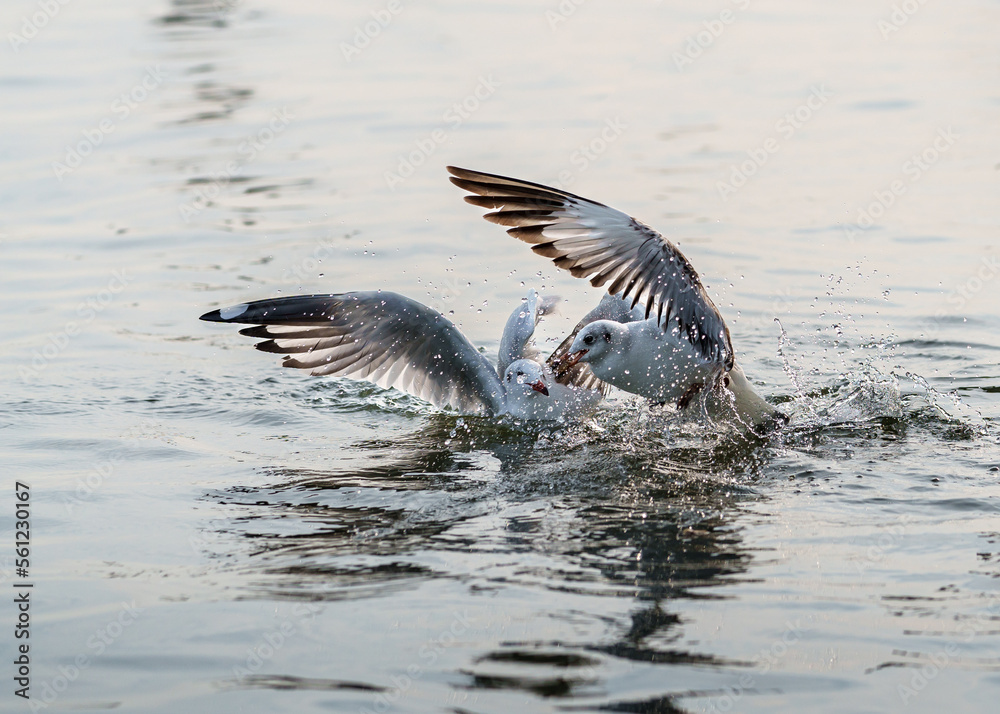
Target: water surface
x,y
213,533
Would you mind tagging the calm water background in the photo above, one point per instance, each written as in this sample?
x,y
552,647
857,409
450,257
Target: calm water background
x,y
288,544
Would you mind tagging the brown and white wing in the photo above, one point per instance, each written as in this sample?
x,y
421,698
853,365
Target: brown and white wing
x,y
607,247
377,336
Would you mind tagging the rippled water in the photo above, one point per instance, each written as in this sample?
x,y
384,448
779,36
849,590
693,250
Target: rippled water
x,y
213,533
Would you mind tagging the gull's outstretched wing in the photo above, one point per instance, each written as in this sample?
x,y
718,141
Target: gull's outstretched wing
x,y
516,341
382,337
610,249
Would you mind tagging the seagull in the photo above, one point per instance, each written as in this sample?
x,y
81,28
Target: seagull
x,y
394,341
672,344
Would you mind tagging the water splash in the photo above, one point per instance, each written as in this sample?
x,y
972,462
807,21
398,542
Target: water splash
x,y
868,394
964,413
790,371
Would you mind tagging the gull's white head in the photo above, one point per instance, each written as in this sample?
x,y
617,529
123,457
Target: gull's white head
x,y
598,344
525,377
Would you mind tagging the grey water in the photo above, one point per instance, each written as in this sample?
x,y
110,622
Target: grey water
x,y
210,532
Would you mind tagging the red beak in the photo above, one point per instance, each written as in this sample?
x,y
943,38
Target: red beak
x,y
574,357
539,387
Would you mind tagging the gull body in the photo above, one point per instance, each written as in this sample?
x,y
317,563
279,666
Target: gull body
x,y
641,358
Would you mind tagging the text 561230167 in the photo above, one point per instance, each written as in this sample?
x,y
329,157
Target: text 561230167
x,y
22,592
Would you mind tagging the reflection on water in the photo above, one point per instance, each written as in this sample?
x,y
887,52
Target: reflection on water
x,y
652,527
641,506
198,13
638,505
223,100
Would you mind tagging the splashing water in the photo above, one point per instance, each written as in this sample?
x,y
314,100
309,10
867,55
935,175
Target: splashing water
x,y
790,371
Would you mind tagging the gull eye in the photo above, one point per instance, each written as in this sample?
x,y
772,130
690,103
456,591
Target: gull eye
x,y
588,340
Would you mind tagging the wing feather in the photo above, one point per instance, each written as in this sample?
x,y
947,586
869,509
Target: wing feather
x,y
607,247
378,336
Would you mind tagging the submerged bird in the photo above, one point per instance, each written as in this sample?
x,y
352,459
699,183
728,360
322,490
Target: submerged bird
x,y
672,344
394,341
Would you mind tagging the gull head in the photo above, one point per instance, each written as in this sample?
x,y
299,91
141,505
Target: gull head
x,y
598,344
526,377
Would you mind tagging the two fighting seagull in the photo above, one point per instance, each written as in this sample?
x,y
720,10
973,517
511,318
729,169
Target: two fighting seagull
x,y
656,332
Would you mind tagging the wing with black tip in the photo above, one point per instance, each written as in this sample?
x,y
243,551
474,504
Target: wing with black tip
x,y
377,336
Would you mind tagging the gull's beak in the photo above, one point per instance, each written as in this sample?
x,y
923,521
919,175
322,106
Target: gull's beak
x,y
539,387
574,357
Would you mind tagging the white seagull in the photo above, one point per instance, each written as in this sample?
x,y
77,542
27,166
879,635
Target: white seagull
x,y
394,341
673,342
